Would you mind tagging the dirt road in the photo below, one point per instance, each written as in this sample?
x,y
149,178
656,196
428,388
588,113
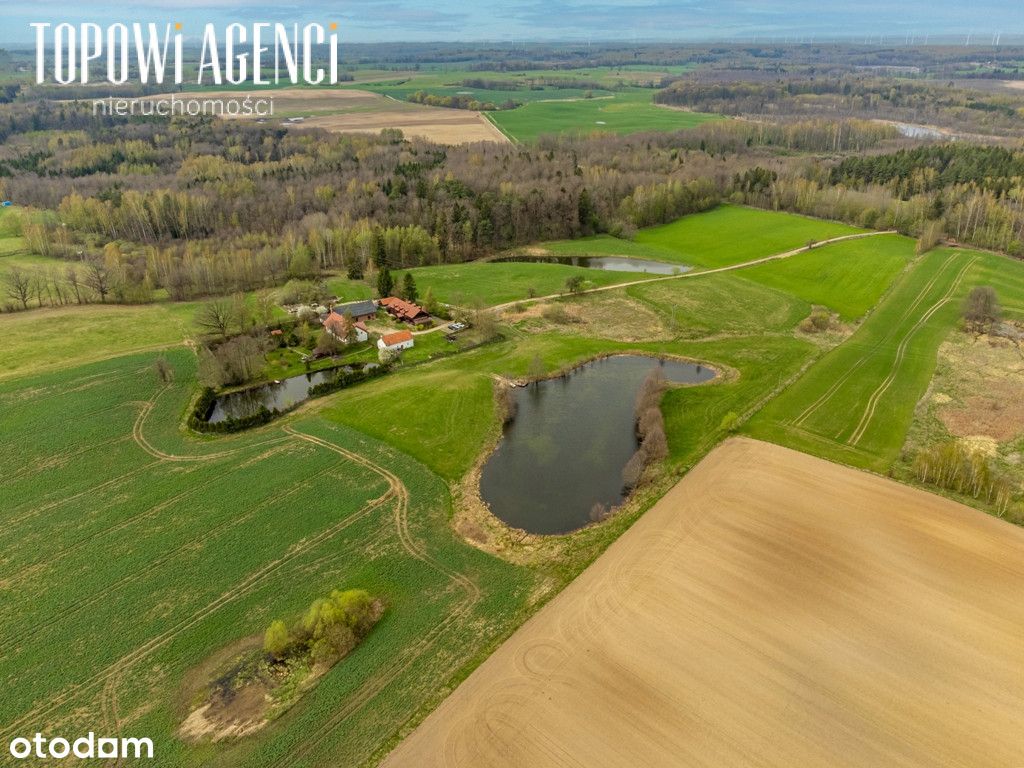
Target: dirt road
x,y
773,609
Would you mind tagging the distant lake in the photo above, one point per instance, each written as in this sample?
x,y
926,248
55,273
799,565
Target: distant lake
x,y
278,396
571,438
609,263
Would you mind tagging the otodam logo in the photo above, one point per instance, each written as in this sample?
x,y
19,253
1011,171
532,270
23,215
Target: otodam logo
x,y
88,747
259,54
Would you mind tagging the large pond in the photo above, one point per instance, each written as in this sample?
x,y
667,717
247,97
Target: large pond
x,y
609,263
278,396
565,450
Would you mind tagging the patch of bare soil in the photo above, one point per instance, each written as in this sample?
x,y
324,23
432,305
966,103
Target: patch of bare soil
x,y
601,315
985,379
772,609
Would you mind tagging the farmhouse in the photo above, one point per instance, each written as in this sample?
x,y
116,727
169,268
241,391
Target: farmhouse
x,y
341,328
359,310
396,341
404,310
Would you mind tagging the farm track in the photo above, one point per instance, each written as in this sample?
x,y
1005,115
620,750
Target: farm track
x,y
410,655
144,444
838,383
901,351
695,273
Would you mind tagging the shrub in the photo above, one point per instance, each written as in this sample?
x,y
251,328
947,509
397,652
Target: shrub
x,y
277,640
330,628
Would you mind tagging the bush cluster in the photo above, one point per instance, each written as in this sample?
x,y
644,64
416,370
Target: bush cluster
x,y
329,629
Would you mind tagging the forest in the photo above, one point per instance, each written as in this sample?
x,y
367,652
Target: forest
x,y
196,206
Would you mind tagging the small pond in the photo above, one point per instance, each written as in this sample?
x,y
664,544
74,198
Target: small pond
x,y
571,438
277,396
609,263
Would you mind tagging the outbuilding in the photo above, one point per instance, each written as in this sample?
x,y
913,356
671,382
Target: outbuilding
x,y
357,310
396,342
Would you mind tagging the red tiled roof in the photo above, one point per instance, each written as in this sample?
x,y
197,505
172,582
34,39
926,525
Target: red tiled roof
x,y
402,309
390,339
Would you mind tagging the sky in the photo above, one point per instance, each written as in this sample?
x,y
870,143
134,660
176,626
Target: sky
x,y
509,21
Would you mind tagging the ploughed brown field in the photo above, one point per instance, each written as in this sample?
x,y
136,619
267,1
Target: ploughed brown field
x,y
773,609
350,111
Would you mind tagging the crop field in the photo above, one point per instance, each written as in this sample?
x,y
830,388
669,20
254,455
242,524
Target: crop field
x,y
625,111
56,338
856,403
583,101
352,111
132,554
736,624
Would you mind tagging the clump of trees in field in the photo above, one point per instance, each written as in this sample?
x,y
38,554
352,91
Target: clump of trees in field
x,y
967,471
650,429
329,629
981,309
819,321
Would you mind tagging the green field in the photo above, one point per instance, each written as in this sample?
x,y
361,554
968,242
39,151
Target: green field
x,y
847,277
133,550
855,404
627,111
500,282
732,234
726,235
56,338
139,554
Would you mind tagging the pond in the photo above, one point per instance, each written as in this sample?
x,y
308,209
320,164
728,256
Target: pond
x,y
609,263
565,450
279,396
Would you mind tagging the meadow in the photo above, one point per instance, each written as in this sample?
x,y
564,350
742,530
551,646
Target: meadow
x,y
493,283
856,403
847,277
732,234
723,236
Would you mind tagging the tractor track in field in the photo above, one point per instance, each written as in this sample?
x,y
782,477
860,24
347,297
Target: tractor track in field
x,y
57,460
209,535
144,444
375,685
241,589
126,522
901,351
838,383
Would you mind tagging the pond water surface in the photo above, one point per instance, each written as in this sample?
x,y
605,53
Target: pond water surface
x,y
608,263
571,438
277,396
